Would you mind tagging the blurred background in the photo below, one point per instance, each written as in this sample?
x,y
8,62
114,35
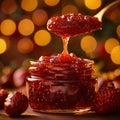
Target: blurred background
x,y
24,36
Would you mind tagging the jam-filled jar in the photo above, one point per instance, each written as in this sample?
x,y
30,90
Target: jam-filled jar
x,y
63,83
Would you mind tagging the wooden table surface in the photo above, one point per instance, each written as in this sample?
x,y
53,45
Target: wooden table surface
x,y
29,114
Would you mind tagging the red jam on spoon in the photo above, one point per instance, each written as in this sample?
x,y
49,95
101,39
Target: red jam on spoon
x,y
73,24
63,83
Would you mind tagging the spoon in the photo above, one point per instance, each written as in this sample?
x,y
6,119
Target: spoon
x,y
109,7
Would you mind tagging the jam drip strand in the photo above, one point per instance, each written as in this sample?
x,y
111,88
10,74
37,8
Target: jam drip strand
x,y
65,45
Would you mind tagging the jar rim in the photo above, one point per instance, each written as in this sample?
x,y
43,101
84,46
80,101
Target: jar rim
x,y
60,81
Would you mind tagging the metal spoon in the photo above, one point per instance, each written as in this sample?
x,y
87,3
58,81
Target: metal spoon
x,y
100,14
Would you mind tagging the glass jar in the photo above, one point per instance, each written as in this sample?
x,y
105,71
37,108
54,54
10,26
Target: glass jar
x,y
61,86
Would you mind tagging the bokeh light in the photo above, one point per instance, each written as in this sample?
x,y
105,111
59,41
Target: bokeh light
x,y
39,17
117,72
42,37
88,43
25,45
69,9
114,14
8,6
79,2
93,5
110,44
118,30
8,27
51,2
3,46
6,70
26,27
26,62
115,55
29,5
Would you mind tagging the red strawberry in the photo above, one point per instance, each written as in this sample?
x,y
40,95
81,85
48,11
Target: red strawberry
x,y
3,95
73,24
103,83
116,81
16,103
107,101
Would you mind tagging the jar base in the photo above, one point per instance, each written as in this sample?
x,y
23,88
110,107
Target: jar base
x,y
79,111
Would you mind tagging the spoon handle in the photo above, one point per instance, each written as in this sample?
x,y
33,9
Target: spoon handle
x,y
100,14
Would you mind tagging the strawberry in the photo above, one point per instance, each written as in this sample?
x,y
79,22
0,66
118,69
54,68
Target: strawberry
x,y
107,101
103,83
116,81
73,24
3,95
15,104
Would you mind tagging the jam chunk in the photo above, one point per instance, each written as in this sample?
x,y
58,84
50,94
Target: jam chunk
x,y
73,24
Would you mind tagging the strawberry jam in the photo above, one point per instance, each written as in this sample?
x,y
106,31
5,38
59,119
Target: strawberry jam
x,y
61,83
73,24
65,82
